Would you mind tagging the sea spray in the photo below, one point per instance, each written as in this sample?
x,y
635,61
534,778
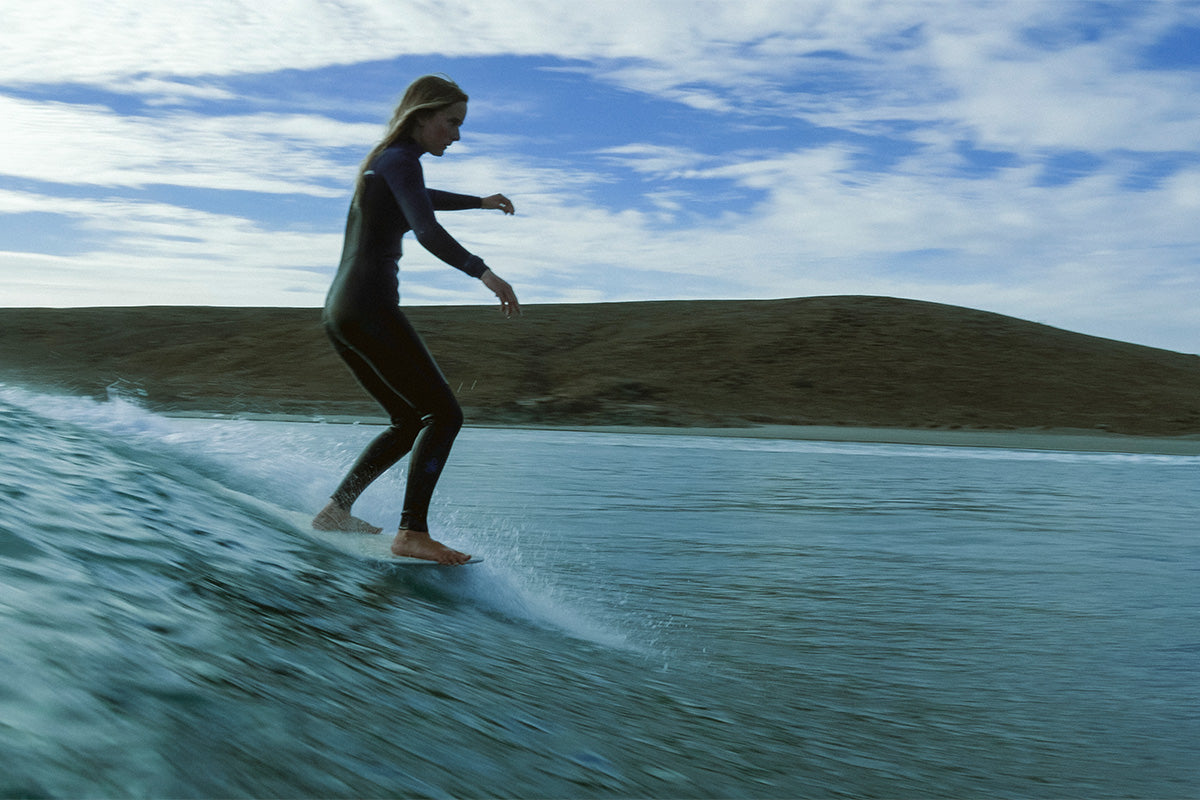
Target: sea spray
x,y
280,468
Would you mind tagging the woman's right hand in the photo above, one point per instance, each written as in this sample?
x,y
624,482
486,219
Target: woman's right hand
x,y
500,202
508,298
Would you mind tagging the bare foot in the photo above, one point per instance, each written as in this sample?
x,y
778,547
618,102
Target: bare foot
x,y
418,544
335,518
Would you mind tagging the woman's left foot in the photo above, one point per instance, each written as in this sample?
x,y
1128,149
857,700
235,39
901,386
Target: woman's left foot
x,y
418,544
333,518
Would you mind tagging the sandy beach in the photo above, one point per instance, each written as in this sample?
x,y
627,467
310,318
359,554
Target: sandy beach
x,y
824,368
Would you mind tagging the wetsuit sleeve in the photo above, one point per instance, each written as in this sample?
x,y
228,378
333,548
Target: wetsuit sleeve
x,y
407,182
449,201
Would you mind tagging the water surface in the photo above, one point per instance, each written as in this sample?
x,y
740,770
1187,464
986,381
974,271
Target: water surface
x,y
656,616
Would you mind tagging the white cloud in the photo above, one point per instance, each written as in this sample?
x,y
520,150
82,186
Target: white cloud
x,y
73,41
656,159
48,43
1183,191
1091,252
173,254
957,63
1087,97
93,145
1088,254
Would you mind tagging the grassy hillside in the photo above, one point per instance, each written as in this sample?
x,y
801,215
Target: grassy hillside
x,y
827,360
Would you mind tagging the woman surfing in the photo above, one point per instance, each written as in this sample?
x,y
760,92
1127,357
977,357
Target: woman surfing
x,y
363,318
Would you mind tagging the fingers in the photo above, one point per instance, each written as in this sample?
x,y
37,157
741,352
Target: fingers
x,y
503,291
508,301
500,202
510,306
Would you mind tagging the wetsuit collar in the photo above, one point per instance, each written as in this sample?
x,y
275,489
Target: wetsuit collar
x,y
410,146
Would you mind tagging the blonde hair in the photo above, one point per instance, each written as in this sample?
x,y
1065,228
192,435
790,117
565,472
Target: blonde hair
x,y
425,95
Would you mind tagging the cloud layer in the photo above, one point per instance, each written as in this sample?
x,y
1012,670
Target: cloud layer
x,y
1037,159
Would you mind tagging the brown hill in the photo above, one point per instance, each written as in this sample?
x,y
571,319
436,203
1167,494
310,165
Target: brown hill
x,y
869,361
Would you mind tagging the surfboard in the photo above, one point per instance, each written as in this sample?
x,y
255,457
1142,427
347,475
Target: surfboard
x,y
373,547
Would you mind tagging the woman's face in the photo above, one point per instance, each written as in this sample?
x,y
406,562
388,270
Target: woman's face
x,y
438,130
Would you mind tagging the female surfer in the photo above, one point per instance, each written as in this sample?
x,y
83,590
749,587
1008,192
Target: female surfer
x,y
368,330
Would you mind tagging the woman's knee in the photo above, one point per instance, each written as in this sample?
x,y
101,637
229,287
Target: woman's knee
x,y
453,413
446,413
405,424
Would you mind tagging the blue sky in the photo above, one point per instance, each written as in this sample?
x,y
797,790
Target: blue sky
x,y
1035,158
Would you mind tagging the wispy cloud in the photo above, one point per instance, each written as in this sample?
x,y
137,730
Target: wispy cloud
x,y
1038,159
94,145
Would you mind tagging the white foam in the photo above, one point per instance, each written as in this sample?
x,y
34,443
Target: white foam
x,y
284,467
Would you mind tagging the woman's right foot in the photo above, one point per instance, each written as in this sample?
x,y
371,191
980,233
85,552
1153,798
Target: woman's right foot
x,y
336,518
418,544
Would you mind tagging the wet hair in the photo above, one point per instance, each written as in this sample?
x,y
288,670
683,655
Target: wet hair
x,y
425,95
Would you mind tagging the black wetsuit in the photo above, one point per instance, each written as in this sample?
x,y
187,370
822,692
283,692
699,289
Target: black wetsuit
x,y
368,330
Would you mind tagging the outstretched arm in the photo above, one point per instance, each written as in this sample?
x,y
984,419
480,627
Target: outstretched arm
x,y
449,201
495,202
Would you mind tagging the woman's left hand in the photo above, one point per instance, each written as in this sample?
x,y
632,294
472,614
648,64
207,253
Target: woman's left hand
x,y
500,202
508,298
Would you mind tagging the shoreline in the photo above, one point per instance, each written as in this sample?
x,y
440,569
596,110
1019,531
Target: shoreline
x,y
1057,439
